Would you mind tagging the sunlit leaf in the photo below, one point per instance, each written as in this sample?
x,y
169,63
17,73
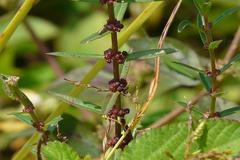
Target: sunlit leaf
x,y
225,14
229,111
122,1
55,121
77,55
152,53
214,45
235,59
206,81
77,102
59,151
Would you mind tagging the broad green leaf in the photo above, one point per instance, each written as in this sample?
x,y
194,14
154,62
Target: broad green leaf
x,y
206,81
235,59
119,11
59,151
214,45
122,1
182,25
190,67
218,135
77,102
225,14
200,23
55,121
229,111
203,6
76,55
23,117
152,53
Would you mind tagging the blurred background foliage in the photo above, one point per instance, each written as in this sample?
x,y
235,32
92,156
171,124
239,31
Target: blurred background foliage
x,y
62,24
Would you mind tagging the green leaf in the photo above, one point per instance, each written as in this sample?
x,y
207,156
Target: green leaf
x,y
206,81
218,135
77,102
123,1
76,55
119,11
190,67
229,111
125,69
152,53
55,121
203,6
235,59
183,104
59,151
23,117
225,14
182,25
112,101
214,45
200,23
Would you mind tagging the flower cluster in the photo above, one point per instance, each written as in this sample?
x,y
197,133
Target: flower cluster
x,y
209,73
113,25
28,109
38,125
120,86
119,56
114,112
114,140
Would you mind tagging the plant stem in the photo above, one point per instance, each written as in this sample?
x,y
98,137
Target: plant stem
x,y
17,19
137,23
213,67
115,64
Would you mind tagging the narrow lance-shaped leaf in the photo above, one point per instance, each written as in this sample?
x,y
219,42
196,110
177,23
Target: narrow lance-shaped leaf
x,y
206,81
119,11
214,45
77,102
149,53
190,67
235,59
225,14
122,1
76,55
229,111
200,23
182,25
25,118
59,151
203,6
55,121
183,104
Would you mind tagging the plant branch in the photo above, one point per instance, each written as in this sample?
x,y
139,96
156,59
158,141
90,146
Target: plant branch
x,y
233,47
44,49
153,86
17,19
137,23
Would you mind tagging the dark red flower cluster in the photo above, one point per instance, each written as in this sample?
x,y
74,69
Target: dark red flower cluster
x,y
38,125
120,86
28,109
113,25
114,112
113,141
209,73
108,1
119,57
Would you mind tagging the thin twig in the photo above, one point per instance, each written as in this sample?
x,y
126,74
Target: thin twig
x,y
44,49
153,86
233,47
178,111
